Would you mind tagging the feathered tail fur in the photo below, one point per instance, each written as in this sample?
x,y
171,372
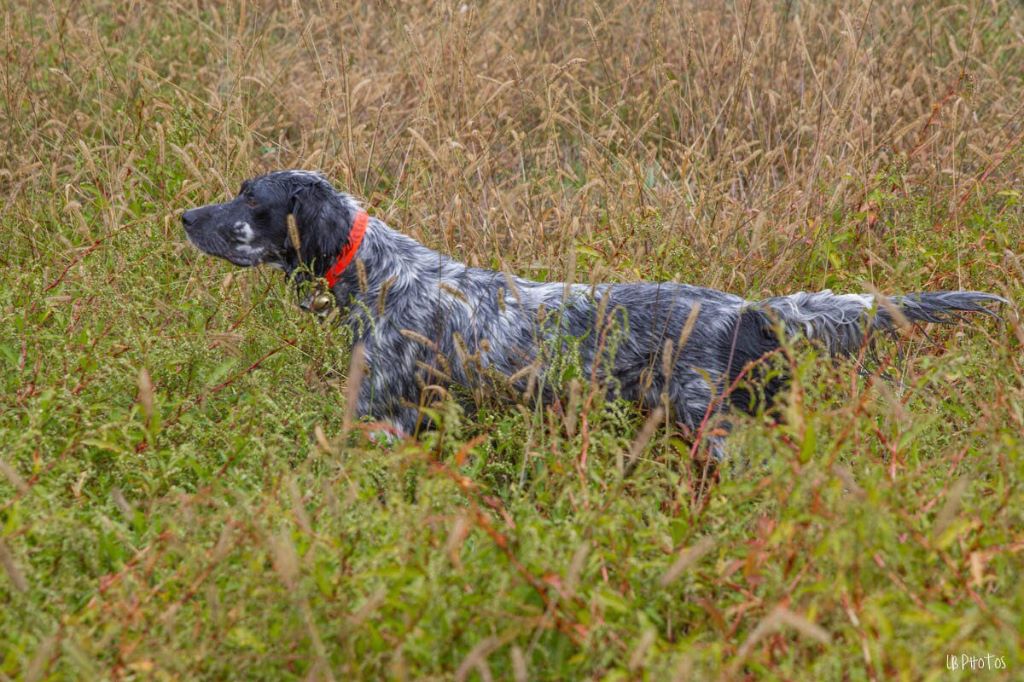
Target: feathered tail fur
x,y
842,321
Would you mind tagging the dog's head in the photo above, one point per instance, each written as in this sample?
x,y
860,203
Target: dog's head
x,y
252,228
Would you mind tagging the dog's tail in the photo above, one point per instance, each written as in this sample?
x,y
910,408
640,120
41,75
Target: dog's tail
x,y
843,321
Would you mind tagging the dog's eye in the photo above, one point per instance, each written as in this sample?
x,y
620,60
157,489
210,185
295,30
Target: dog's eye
x,y
251,202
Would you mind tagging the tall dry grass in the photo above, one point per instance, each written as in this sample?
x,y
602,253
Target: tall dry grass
x,y
508,132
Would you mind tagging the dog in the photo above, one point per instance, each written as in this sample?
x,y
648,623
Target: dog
x,y
426,320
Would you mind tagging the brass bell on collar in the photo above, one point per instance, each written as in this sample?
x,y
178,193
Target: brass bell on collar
x,y
322,302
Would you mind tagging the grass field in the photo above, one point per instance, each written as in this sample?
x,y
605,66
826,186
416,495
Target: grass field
x,y
180,498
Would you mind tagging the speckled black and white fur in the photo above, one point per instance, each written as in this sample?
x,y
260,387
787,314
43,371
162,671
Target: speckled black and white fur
x,y
426,319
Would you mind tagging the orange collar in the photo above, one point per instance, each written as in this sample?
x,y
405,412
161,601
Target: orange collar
x,y
355,238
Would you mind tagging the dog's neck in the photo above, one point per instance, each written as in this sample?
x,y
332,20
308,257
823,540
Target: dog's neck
x,y
348,252
322,236
388,259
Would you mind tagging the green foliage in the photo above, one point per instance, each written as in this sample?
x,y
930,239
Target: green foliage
x,y
179,498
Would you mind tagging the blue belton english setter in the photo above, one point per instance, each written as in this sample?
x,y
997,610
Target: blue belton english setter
x,y
424,319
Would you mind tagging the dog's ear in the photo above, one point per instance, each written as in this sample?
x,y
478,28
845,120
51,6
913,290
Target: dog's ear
x,y
324,221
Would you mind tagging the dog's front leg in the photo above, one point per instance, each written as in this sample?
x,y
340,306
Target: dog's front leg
x,y
387,396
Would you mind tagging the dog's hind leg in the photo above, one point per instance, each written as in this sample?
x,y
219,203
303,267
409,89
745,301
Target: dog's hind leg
x,y
696,407
716,446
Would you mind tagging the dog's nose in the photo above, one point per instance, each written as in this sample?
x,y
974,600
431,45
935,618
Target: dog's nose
x,y
188,218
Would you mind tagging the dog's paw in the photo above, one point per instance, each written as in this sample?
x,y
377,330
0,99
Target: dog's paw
x,y
387,435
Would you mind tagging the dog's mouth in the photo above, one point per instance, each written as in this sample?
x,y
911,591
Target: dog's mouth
x,y
245,255
242,255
